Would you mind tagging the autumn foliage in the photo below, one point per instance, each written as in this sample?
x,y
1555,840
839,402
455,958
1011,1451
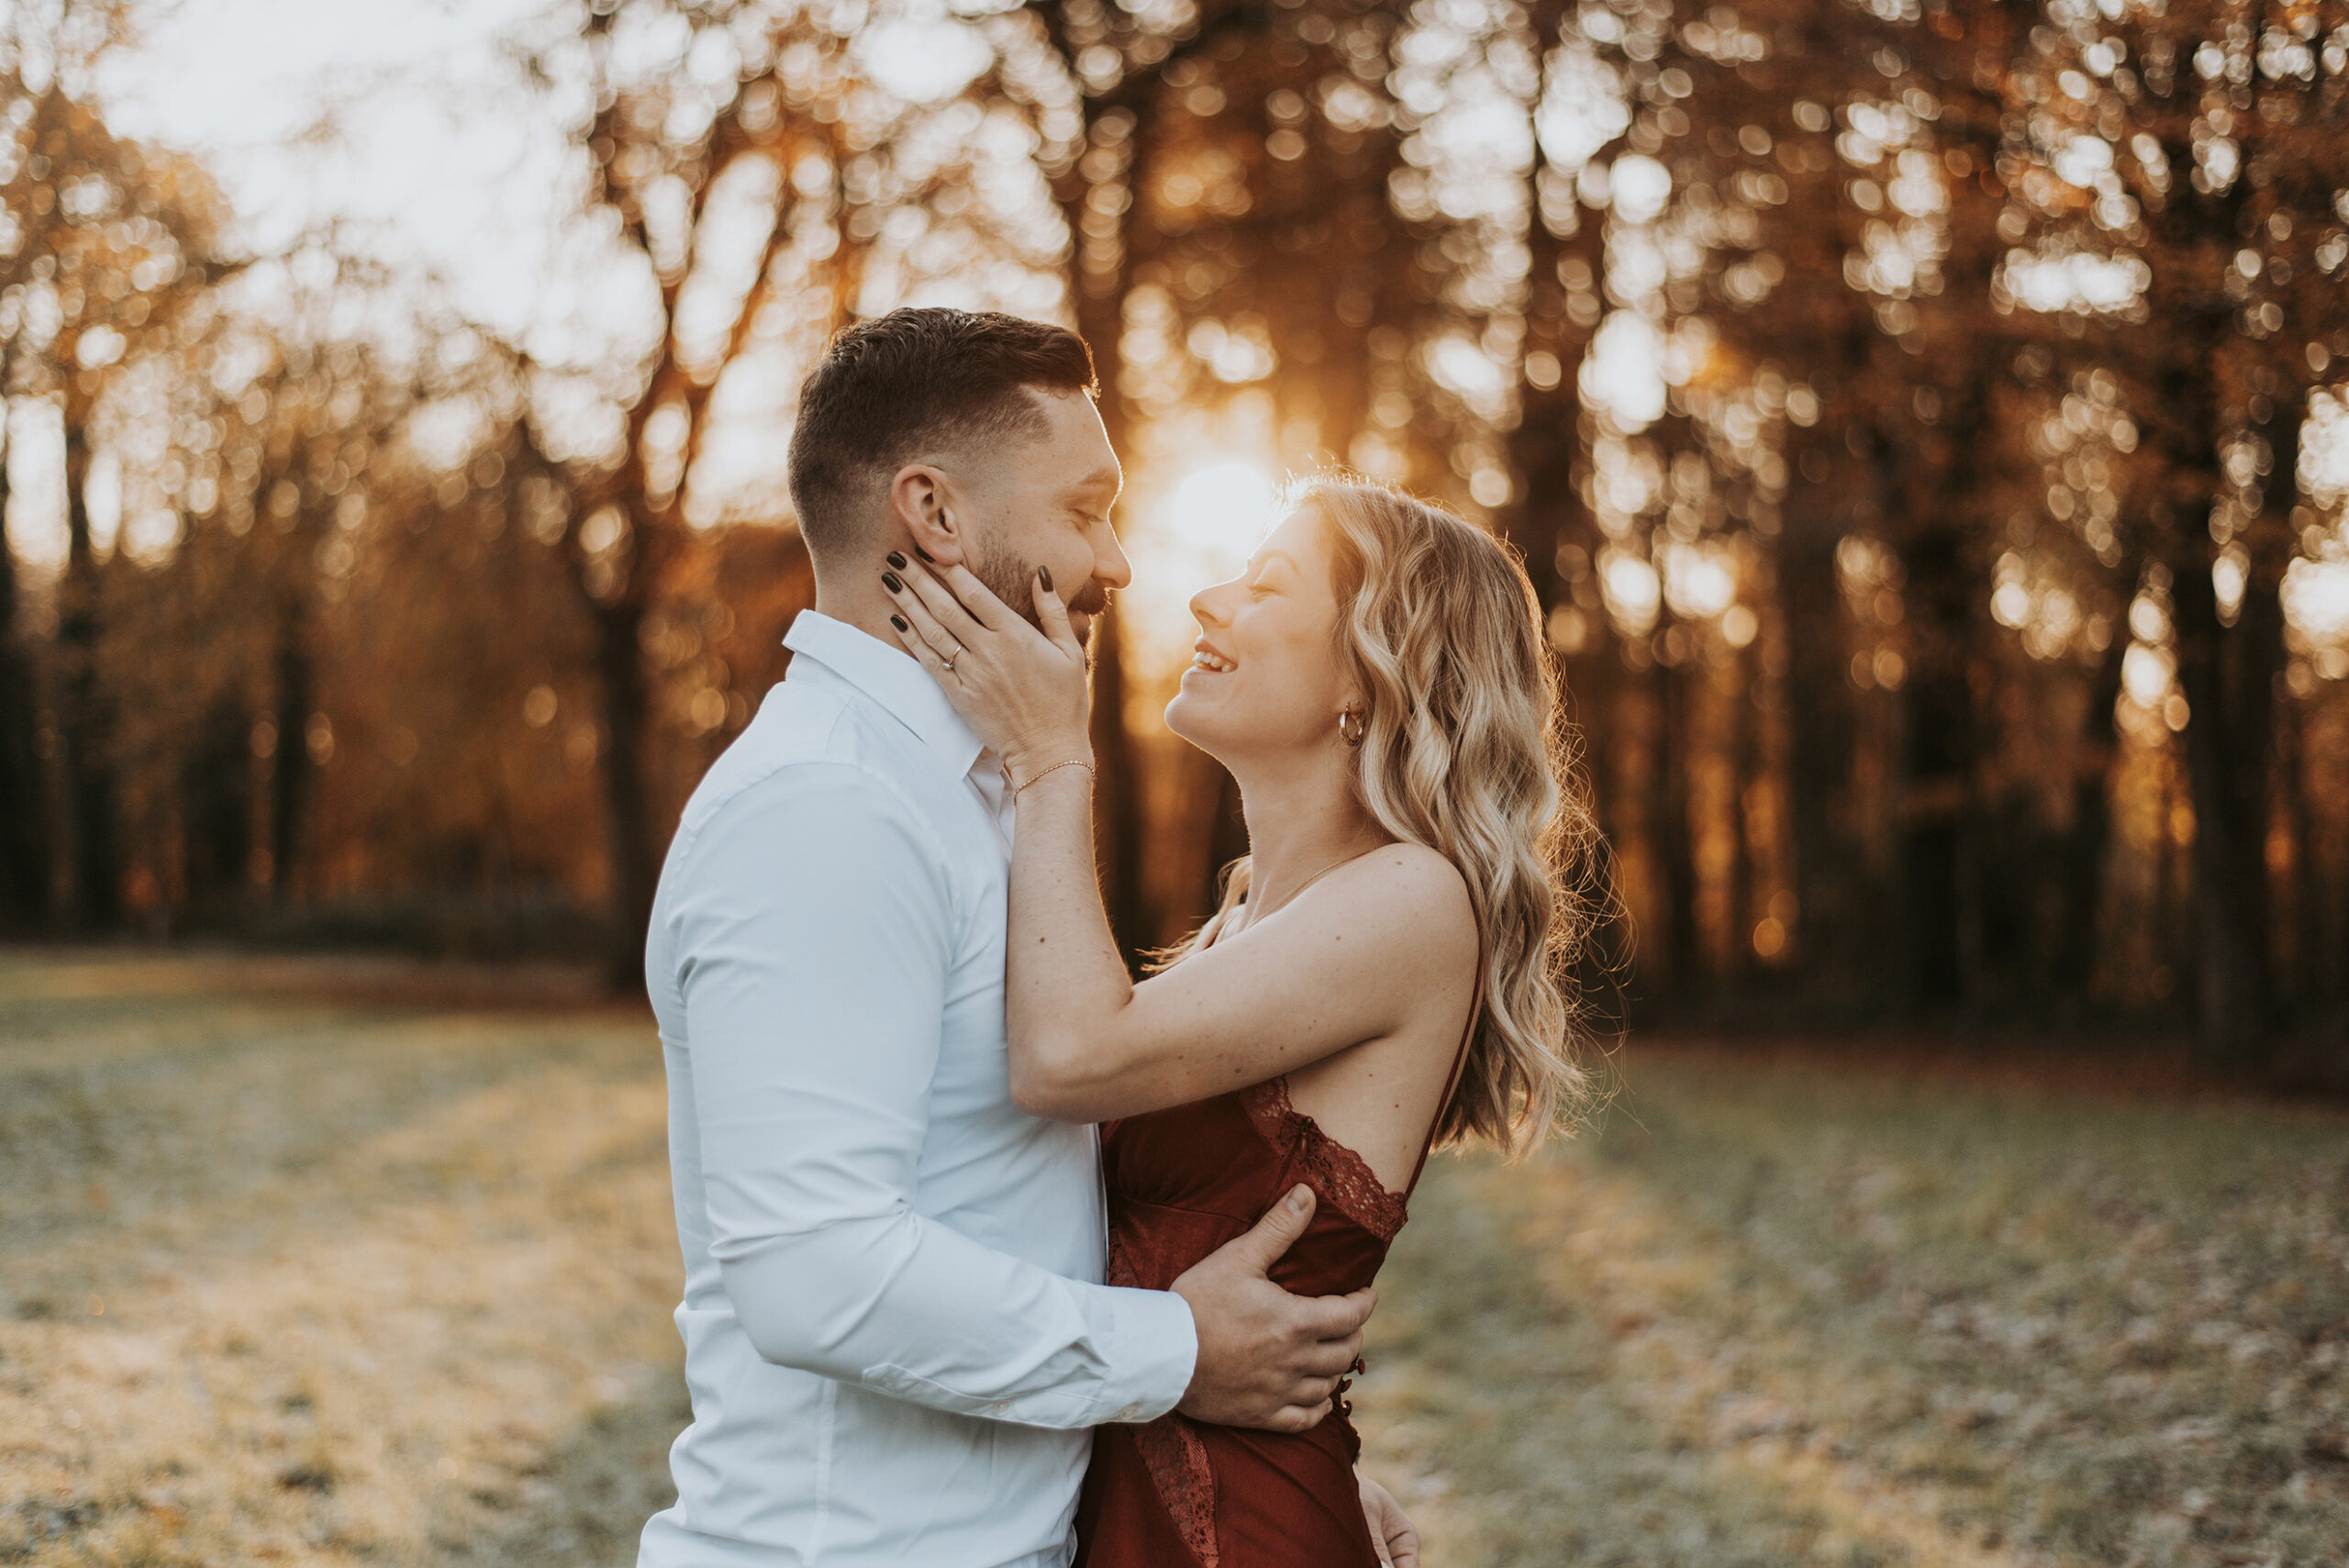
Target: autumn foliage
x,y
1925,423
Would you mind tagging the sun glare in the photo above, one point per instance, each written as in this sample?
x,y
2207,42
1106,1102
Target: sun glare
x,y
1222,510
1201,534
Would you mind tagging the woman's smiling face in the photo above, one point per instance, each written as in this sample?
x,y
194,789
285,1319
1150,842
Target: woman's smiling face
x,y
1263,674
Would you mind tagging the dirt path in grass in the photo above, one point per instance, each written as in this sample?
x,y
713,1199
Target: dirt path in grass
x,y
340,1263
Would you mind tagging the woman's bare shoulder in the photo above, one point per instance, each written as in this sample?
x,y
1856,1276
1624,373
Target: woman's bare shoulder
x,y
1409,908
1407,894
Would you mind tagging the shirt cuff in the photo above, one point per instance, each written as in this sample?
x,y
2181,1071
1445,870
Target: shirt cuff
x,y
1153,1349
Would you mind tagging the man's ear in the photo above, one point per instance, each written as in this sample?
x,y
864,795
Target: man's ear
x,y
925,504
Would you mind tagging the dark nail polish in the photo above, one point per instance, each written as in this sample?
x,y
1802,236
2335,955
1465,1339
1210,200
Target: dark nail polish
x,y
899,622
897,560
925,555
889,581
1044,575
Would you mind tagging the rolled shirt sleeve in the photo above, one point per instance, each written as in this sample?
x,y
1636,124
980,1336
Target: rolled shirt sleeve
x,y
813,951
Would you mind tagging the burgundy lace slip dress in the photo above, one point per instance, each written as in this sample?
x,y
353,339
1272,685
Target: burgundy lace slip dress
x,y
1174,1493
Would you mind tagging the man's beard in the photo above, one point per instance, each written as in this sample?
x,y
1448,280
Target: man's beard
x,y
1012,580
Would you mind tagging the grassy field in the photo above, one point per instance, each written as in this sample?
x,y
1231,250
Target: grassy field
x,y
1803,1310
299,1263
358,1262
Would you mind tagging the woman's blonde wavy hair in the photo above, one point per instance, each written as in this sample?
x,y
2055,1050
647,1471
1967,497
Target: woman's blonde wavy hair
x,y
1467,752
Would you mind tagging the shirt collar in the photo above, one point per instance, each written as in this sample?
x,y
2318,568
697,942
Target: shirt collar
x,y
890,677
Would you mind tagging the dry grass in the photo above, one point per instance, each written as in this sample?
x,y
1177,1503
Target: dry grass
x,y
286,1277
386,1278
1775,1312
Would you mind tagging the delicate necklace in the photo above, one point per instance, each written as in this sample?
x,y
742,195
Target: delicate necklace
x,y
1298,892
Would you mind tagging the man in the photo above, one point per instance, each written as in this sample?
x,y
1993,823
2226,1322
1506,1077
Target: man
x,y
895,1336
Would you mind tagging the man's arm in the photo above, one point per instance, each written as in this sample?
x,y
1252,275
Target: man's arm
x,y
814,934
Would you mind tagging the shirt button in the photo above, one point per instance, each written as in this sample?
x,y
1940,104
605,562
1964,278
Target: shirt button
x,y
1129,1412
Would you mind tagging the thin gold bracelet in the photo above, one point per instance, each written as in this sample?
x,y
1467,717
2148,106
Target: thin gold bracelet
x,y
1056,767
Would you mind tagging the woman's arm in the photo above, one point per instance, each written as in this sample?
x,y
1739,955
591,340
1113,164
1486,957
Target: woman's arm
x,y
1344,964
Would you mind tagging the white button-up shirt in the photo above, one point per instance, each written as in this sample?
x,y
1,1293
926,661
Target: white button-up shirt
x,y
895,1336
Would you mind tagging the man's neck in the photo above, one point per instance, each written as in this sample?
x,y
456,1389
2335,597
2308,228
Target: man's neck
x,y
869,612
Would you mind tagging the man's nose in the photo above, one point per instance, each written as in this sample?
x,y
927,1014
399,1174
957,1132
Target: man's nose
x,y
1110,567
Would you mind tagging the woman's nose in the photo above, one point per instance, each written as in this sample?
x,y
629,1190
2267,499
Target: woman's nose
x,y
1210,606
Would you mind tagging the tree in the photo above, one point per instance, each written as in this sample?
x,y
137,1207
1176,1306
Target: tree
x,y
1262,271
108,242
2196,151
748,171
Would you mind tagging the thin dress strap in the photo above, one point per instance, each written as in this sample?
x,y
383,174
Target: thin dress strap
x,y
1451,1079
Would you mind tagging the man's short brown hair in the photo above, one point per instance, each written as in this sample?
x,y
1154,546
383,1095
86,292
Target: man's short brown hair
x,y
913,383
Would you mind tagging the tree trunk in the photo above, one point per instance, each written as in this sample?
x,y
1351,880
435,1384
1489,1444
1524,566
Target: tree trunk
x,y
216,814
2302,915
1117,826
1673,830
2258,676
1116,822
1941,923
292,768
620,664
2073,969
1098,296
1824,736
24,850
1770,721
1748,772
2228,674
2227,741
1547,444
84,731
1634,807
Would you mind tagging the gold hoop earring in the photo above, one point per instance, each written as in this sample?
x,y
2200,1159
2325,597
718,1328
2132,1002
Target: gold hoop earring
x,y
1352,728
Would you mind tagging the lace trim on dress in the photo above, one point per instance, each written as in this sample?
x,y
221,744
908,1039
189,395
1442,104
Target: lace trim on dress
x,y
1118,1268
1177,1462
1341,1176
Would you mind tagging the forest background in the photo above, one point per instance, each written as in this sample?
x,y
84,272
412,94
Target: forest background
x,y
1924,420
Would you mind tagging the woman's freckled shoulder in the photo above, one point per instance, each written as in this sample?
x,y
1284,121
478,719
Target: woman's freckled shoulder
x,y
1406,892
1423,872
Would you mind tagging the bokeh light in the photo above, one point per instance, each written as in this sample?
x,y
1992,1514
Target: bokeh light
x,y
1204,530
1222,510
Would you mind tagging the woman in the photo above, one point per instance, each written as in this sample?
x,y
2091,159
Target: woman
x,y
1382,974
